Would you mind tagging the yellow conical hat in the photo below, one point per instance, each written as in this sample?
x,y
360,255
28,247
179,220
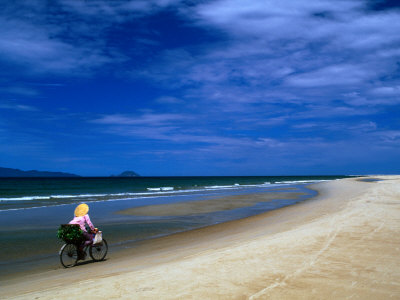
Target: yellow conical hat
x,y
81,210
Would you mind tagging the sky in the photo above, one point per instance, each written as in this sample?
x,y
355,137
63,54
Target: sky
x,y
219,87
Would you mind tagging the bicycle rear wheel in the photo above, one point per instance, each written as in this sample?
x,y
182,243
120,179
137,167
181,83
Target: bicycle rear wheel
x,y
98,252
68,255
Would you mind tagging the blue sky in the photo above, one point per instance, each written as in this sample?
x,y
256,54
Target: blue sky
x,y
223,87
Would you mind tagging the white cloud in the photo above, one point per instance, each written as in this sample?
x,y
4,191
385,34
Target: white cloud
x,y
284,52
18,107
273,19
152,119
386,91
19,90
169,100
33,47
334,75
116,9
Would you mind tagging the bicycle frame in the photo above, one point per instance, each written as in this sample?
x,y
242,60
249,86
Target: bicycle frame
x,y
69,253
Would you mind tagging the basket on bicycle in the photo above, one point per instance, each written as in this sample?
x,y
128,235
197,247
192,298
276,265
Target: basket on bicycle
x,y
70,233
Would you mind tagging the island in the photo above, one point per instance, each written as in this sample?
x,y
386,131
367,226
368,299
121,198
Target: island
x,y
127,174
9,172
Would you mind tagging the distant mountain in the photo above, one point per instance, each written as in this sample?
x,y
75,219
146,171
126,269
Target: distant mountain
x,y
127,174
7,172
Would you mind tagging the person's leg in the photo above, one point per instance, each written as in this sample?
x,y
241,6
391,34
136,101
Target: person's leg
x,y
88,240
81,253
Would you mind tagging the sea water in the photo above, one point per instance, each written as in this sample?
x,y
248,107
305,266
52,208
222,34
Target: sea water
x,y
31,209
17,193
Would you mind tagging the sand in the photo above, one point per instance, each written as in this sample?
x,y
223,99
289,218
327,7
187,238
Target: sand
x,y
207,206
345,243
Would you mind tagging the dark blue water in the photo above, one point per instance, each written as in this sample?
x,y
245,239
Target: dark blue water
x,y
32,209
16,193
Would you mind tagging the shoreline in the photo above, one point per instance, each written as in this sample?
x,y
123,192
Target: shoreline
x,y
206,262
30,251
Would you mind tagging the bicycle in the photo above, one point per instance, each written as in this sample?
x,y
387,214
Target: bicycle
x,y
69,253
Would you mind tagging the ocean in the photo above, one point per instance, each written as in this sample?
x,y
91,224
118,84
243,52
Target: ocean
x,y
19,193
31,209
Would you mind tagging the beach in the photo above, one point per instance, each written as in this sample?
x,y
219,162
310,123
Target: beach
x,y
343,243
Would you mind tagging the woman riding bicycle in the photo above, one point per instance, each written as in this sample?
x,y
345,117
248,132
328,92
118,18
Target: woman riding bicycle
x,y
82,218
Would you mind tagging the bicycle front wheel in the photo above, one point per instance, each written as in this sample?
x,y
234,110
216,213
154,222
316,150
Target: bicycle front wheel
x,y
99,251
68,255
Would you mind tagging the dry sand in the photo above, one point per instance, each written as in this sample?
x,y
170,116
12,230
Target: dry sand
x,y
343,244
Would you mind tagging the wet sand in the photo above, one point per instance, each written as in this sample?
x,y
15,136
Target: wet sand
x,y
345,243
207,206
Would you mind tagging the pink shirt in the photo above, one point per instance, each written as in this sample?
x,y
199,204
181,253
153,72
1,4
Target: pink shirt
x,y
81,222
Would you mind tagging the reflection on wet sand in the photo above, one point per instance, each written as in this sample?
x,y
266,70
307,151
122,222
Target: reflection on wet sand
x,y
208,206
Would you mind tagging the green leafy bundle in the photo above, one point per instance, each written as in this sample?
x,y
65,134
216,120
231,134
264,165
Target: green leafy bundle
x,y
70,233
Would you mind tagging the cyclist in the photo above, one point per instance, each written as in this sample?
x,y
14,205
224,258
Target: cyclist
x,y
82,218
